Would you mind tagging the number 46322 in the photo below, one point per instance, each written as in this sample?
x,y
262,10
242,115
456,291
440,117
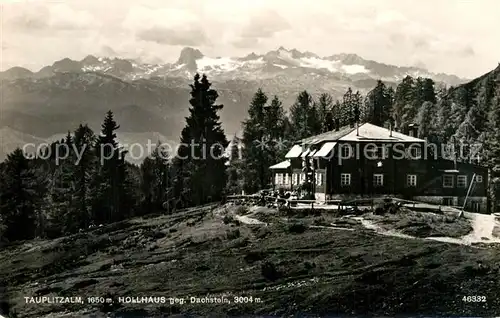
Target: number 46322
x,y
474,299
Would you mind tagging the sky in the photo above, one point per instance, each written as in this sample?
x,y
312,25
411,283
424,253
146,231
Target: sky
x,y
451,36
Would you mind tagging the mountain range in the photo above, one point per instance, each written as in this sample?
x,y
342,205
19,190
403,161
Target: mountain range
x,y
152,99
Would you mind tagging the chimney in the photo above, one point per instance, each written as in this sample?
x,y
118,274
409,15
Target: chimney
x,y
413,130
390,129
337,124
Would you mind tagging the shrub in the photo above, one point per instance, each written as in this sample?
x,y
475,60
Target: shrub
x,y
234,234
379,209
254,256
239,242
309,265
228,219
296,228
269,271
241,210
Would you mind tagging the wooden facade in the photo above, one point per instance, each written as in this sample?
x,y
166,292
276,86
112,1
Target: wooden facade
x,y
372,161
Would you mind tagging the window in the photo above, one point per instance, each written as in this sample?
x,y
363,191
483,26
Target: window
x,y
279,178
319,178
345,179
286,179
346,151
411,180
448,181
479,179
276,178
302,177
462,181
378,180
295,179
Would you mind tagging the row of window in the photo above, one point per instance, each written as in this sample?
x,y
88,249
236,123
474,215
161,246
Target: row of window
x,y
378,179
296,178
449,181
411,180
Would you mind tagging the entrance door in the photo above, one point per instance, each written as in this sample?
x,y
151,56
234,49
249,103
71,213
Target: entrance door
x,y
475,207
448,201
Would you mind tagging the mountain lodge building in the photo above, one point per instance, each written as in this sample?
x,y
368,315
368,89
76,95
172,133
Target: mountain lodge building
x,y
369,161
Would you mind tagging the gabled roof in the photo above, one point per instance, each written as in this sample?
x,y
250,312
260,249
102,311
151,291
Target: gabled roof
x,y
370,132
367,132
327,136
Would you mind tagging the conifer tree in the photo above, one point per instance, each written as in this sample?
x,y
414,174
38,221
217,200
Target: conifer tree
x,y
303,117
359,111
256,145
378,104
110,176
62,215
200,169
403,112
325,104
444,127
347,109
424,120
84,171
20,194
156,180
277,129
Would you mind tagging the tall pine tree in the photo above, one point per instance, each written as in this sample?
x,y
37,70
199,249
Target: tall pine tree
x,y
303,117
403,111
378,104
256,144
326,118
20,194
110,191
200,164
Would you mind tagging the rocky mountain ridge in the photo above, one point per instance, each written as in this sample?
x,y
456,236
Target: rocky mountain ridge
x,y
287,62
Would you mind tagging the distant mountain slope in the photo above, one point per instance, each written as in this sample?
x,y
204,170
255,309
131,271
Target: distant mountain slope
x,y
60,103
10,139
138,145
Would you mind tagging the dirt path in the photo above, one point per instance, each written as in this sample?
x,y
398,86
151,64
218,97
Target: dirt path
x,y
482,224
247,220
372,226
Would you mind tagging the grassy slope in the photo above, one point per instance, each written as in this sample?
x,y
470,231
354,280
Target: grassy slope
x,y
321,271
422,224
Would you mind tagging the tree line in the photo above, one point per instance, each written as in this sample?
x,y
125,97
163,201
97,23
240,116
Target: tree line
x,y
46,198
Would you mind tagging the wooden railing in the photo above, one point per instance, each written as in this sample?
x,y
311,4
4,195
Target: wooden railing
x,y
285,201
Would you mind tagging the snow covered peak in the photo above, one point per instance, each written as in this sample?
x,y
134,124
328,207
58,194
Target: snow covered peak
x,y
280,64
90,60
